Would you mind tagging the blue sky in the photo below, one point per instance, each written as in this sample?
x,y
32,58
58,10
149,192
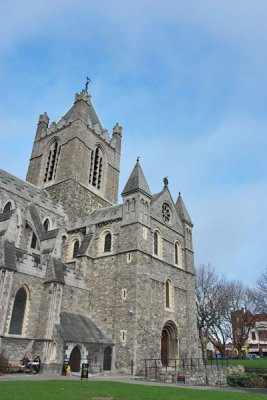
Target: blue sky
x,y
186,80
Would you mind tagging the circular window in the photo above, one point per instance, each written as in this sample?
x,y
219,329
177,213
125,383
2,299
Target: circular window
x,y
166,213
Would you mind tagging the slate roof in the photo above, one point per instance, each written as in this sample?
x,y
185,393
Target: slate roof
x,y
42,234
9,255
182,211
80,329
28,191
81,109
85,244
6,215
103,215
136,182
55,271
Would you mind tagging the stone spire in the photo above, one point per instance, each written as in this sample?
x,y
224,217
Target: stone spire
x,y
83,108
182,211
136,182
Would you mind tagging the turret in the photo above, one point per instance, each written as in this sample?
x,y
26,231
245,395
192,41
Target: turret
x,y
42,126
136,197
187,226
116,137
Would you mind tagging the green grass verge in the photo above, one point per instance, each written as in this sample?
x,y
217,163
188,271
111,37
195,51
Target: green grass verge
x,y
83,390
255,363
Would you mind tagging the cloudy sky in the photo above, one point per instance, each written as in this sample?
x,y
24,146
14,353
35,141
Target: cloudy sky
x,y
187,81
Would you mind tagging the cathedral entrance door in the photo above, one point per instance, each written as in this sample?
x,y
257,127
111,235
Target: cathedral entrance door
x,y
107,359
164,347
75,359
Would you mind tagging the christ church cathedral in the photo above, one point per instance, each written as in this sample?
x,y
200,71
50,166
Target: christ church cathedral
x,y
83,278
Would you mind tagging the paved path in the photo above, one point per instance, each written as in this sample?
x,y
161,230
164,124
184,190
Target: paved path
x,y
123,379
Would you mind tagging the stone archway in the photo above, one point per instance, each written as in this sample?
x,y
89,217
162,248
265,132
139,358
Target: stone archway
x,y
169,342
75,359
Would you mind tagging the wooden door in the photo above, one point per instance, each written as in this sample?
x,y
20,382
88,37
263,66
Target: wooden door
x,y
75,359
107,359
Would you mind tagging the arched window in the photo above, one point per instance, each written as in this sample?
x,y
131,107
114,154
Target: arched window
x,y
168,293
96,168
107,243
8,207
178,254
46,225
34,242
52,161
156,243
76,246
18,312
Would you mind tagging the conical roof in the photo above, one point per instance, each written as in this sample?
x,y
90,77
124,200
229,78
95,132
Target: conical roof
x,y
136,182
182,211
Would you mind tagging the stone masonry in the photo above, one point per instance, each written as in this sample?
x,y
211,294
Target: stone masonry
x,y
83,278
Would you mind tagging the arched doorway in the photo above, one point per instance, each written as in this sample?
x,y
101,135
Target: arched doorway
x,y
107,359
75,359
169,343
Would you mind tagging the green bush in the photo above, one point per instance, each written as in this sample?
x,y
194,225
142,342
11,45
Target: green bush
x,y
248,380
258,381
239,380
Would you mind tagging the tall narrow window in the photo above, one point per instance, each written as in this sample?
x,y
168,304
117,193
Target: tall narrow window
x,y
46,225
8,207
96,168
178,254
18,312
156,243
75,248
107,243
168,294
52,162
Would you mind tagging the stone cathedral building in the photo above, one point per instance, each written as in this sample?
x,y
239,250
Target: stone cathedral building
x,y
83,278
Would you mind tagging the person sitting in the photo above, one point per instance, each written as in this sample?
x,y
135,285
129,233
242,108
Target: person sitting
x,y
36,364
27,363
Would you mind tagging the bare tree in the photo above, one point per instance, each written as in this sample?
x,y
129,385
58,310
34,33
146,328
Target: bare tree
x,y
219,301
242,308
212,304
261,292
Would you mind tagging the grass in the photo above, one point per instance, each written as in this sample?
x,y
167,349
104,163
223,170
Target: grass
x,y
83,390
255,363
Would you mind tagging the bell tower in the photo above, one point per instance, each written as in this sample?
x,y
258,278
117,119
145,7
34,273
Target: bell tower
x,y
76,160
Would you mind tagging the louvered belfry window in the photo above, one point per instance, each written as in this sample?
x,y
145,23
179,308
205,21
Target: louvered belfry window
x,y
96,168
52,162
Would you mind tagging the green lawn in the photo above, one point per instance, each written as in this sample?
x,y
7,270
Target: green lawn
x,y
83,390
255,363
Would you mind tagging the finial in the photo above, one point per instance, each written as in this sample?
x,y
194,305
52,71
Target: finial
x,y
138,158
88,80
179,193
165,181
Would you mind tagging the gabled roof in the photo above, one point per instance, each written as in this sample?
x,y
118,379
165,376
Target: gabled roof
x,y
182,211
136,182
80,329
